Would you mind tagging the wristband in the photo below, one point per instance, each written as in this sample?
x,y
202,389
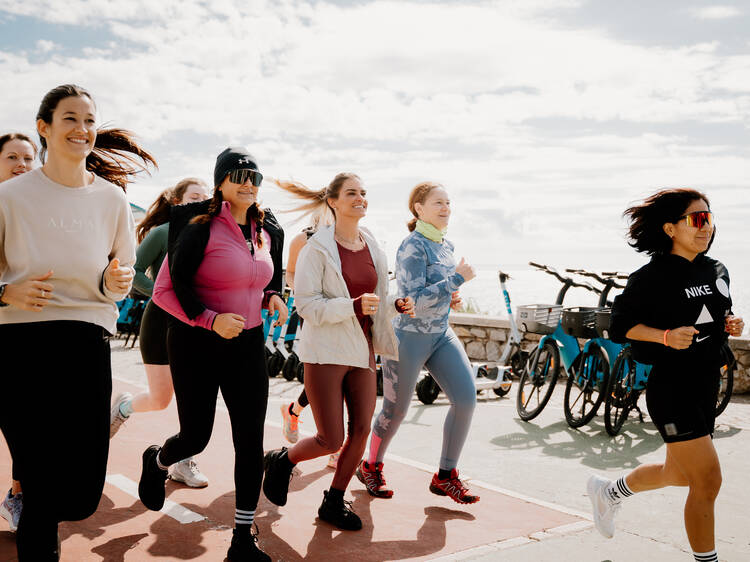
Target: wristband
x,y
666,332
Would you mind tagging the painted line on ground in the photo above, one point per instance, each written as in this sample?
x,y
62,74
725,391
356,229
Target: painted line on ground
x,y
173,509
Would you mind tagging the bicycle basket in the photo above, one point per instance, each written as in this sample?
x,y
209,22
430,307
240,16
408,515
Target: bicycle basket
x,y
602,322
580,321
538,318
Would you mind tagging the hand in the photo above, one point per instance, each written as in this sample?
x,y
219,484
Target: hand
x,y
456,301
32,295
681,338
228,325
118,279
465,270
370,303
406,306
277,303
733,325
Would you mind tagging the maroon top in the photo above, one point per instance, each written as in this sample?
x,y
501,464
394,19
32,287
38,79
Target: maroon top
x,y
361,277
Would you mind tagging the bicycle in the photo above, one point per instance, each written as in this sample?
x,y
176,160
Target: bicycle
x,y
542,370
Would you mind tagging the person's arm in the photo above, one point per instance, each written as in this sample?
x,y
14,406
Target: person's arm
x,y
148,252
297,243
188,255
276,234
123,248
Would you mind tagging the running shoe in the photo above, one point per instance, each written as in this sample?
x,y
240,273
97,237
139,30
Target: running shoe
x,y
116,419
278,473
452,487
333,460
290,429
187,472
339,513
373,479
151,486
11,508
604,508
244,547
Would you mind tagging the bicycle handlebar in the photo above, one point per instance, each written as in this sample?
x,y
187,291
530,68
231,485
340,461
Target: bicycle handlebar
x,y
566,280
607,278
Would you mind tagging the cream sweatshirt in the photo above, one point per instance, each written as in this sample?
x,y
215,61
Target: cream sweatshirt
x,y
75,232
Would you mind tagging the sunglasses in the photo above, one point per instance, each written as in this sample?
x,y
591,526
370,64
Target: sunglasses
x,y
698,219
241,176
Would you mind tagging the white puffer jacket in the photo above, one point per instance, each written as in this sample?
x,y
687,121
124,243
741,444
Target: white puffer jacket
x,y
331,332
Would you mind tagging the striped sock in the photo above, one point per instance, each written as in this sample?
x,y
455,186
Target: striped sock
x,y
242,517
618,490
159,463
706,556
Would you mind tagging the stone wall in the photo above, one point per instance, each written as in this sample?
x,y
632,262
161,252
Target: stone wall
x,y
484,338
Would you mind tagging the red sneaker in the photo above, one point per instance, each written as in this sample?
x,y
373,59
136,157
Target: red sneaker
x,y
373,479
453,488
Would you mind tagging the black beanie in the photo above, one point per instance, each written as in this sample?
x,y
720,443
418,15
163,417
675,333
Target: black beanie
x,y
232,158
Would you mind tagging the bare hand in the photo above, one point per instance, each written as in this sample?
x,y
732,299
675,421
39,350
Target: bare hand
x,y
406,306
277,303
456,301
228,325
32,295
681,338
734,325
118,279
465,270
370,303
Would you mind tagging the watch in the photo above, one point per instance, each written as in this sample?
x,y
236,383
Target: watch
x,y
2,294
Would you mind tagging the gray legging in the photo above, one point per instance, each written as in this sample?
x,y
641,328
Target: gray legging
x,y
445,358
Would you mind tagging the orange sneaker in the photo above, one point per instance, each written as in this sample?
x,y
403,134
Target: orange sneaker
x,y
291,423
373,479
453,488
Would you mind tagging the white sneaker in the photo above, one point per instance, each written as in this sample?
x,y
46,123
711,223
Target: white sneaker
x,y
291,424
11,508
116,419
604,508
187,472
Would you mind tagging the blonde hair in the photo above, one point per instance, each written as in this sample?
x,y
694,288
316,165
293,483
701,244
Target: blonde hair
x,y
316,200
419,194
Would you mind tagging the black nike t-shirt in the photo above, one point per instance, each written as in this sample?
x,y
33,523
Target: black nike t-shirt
x,y
669,292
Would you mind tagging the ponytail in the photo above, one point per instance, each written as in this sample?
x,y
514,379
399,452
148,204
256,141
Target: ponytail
x,y
159,211
316,200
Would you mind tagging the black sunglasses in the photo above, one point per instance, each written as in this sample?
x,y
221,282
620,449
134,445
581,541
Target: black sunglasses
x,y
241,176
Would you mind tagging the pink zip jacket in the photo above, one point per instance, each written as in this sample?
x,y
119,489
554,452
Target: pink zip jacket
x,y
229,279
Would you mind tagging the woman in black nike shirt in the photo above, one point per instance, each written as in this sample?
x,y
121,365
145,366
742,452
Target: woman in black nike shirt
x,y
676,313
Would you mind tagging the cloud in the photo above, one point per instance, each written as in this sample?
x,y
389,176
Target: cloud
x,y
715,12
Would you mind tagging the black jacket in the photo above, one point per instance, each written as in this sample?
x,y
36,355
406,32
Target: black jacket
x,y
187,244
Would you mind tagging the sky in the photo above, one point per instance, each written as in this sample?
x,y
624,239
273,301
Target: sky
x,y
544,119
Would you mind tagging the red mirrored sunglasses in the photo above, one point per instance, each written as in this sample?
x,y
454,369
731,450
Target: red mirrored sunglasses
x,y
698,219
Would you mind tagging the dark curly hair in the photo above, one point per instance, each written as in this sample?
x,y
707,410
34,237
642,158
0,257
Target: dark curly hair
x,y
646,231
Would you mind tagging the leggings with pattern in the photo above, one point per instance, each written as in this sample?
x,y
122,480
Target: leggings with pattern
x,y
444,357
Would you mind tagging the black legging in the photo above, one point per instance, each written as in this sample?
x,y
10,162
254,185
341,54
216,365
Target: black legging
x,y
202,362
56,422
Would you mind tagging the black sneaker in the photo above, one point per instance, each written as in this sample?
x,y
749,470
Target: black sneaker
x,y
151,486
244,547
278,473
339,513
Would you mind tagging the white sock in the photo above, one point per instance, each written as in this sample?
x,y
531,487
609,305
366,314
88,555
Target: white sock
x,y
126,408
242,517
618,490
710,556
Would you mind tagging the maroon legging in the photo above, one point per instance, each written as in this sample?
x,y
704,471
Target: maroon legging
x,y
328,387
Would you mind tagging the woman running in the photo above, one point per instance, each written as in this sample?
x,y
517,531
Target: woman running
x,y
222,269
67,246
340,335
17,155
152,234
426,271
676,312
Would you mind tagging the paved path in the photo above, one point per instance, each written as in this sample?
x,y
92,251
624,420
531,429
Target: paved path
x,y
531,477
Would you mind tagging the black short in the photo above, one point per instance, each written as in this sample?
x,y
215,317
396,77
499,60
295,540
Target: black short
x,y
682,401
153,335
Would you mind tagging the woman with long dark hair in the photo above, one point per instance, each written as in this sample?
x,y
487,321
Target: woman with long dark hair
x,y
426,270
67,246
17,155
153,234
223,267
341,292
676,311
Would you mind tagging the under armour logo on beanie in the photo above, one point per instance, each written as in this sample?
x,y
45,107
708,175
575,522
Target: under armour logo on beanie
x,y
232,158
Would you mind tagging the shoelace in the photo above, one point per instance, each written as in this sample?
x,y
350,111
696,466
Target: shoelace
x,y
193,468
293,422
462,489
377,475
347,506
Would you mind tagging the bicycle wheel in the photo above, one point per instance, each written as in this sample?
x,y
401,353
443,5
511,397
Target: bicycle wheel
x,y
538,381
586,386
726,384
621,393
427,389
301,372
289,370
